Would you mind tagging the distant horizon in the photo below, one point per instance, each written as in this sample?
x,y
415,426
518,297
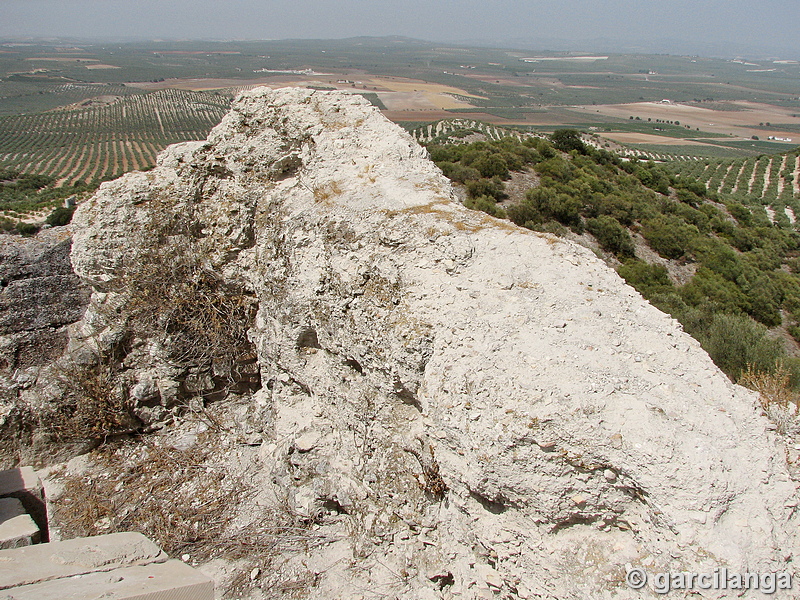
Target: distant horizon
x,y
659,47
714,28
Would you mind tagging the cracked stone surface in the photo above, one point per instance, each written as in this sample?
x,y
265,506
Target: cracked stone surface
x,y
477,408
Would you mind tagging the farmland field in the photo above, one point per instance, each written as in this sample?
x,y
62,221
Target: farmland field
x,y
772,181
98,142
92,111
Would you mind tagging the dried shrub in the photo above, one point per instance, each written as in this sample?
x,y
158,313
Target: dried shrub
x,y
433,482
173,295
183,303
168,494
327,191
777,397
92,407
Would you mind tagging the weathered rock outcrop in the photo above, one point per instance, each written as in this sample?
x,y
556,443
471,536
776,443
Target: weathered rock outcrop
x,y
484,407
40,297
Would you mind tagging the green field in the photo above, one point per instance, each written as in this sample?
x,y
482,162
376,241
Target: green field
x,y
18,96
660,129
766,180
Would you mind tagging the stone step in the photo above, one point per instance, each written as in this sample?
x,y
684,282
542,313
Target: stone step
x,y
24,484
172,580
17,529
68,558
124,566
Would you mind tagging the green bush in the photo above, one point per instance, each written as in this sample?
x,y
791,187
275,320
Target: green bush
x,y
492,165
763,306
622,208
567,140
611,236
695,187
544,148
670,236
60,216
556,168
486,204
458,172
524,214
721,258
744,239
723,226
735,341
692,216
649,280
27,229
653,177
554,206
741,213
553,227
448,153
709,287
493,188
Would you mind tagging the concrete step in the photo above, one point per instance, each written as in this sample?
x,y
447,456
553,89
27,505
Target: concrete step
x,y
17,529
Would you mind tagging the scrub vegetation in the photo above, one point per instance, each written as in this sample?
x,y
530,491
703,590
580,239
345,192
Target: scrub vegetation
x,y
744,290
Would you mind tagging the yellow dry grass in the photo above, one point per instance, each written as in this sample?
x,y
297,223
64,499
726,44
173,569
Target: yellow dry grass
x,y
419,100
398,84
646,138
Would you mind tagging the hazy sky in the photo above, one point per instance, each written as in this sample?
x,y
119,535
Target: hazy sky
x,y
769,24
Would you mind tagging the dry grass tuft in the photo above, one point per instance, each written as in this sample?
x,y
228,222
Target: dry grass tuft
x,y
324,193
174,295
176,497
189,501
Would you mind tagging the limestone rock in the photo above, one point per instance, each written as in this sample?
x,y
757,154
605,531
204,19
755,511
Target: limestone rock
x,y
473,387
40,297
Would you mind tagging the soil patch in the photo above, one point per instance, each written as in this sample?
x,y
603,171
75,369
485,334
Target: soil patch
x,y
518,185
744,120
645,138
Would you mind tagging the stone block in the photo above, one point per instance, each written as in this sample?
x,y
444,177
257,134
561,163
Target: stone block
x,y
24,484
16,526
171,580
18,480
69,558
